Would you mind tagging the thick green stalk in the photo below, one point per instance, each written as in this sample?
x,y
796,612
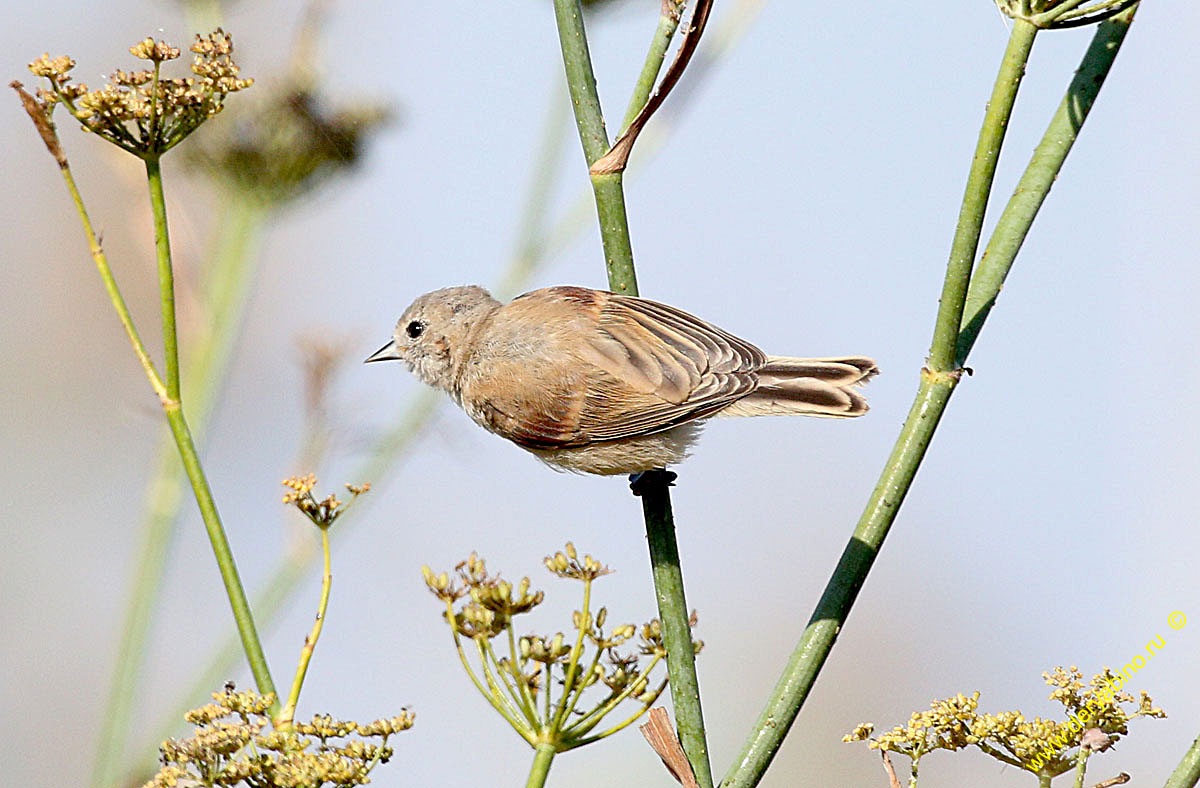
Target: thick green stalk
x,y
618,253
930,403
607,188
614,230
1039,176
581,82
848,577
975,198
166,276
204,371
1081,766
676,627
667,24
1187,773
540,770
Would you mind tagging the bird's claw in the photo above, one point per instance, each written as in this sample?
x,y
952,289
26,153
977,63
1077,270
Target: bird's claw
x,y
642,481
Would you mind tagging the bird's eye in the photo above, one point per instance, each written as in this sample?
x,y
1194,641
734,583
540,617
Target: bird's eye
x,y
414,329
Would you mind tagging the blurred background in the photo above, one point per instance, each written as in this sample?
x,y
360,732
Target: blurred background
x,y
799,190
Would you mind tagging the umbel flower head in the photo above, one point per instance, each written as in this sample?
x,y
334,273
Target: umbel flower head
x,y
1058,14
234,744
144,111
537,682
1097,717
324,512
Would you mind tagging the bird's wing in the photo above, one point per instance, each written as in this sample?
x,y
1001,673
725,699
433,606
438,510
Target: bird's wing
x,y
655,367
605,367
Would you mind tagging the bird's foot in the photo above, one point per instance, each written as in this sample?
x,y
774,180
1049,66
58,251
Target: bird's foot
x,y
642,481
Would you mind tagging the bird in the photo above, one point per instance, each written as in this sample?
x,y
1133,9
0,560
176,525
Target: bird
x,y
597,382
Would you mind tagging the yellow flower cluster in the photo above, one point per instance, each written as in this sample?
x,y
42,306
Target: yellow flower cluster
x,y
536,665
233,744
1096,718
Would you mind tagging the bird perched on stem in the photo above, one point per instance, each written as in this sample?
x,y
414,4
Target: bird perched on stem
x,y
595,382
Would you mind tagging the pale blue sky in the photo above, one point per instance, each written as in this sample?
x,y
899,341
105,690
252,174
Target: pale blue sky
x,y
806,202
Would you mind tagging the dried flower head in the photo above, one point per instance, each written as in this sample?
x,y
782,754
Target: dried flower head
x,y
1096,718
146,112
322,513
567,564
1057,14
535,666
234,744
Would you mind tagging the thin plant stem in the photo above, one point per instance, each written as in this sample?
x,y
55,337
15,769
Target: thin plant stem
x,y
284,719
620,726
571,692
975,199
251,644
110,286
668,22
1044,780
540,769
166,271
517,669
179,428
932,397
203,372
656,501
173,408
1041,173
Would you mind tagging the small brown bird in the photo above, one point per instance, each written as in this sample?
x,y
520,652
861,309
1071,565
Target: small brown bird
x,y
595,382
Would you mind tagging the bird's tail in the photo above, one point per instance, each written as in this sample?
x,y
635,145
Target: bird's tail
x,y
809,386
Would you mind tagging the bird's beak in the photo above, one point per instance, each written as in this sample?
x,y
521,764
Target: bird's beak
x,y
388,352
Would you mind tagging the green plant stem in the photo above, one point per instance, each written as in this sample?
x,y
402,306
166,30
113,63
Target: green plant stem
x,y
1187,773
930,403
110,285
810,653
975,199
203,371
251,644
179,430
668,22
166,273
1044,780
283,720
1081,766
589,119
173,408
540,770
1041,173
656,500
677,630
